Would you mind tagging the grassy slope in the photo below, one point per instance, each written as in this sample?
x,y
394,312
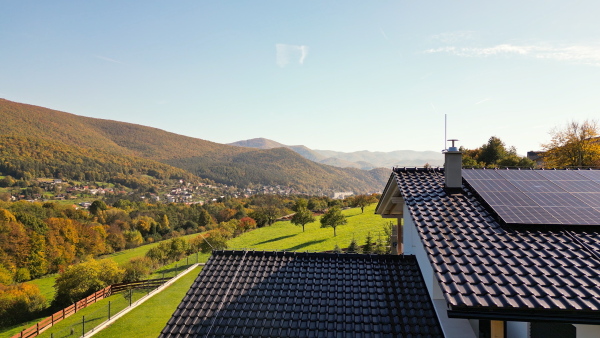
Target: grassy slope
x,y
286,236
148,319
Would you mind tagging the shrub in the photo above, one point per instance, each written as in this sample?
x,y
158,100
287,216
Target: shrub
x,y
81,280
137,268
19,302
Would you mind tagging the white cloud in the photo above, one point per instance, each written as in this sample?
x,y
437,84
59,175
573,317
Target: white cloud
x,y
578,53
287,54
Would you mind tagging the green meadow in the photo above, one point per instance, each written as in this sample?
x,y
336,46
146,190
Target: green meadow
x,y
148,319
289,237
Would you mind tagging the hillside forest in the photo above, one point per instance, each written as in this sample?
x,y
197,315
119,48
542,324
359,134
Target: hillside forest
x,y
41,238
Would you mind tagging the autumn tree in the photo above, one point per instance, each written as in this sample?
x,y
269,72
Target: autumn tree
x,y
19,302
333,218
247,224
576,145
81,280
302,216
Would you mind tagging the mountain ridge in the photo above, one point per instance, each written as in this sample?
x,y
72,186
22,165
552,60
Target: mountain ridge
x,y
362,159
232,165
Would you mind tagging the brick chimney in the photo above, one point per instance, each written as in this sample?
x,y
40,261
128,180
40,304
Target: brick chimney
x,y
453,167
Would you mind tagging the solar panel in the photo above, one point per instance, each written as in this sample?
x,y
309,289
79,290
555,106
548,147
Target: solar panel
x,y
565,197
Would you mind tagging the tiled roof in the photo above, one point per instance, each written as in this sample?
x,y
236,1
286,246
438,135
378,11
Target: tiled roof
x,y
486,267
288,294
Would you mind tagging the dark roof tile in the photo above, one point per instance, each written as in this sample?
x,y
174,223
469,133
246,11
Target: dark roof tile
x,y
275,294
482,263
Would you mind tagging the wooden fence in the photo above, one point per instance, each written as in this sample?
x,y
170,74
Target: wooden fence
x,y
81,304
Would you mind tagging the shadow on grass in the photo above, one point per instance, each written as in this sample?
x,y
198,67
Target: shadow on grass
x,y
275,239
303,245
171,271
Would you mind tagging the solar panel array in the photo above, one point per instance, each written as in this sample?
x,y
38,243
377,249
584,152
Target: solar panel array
x,y
567,197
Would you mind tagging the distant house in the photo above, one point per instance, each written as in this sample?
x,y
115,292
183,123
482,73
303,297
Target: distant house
x,y
291,294
342,195
504,253
537,157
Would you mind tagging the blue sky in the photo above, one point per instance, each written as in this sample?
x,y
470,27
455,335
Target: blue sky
x,y
337,75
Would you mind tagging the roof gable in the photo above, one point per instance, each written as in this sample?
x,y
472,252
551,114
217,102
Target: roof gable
x,y
285,294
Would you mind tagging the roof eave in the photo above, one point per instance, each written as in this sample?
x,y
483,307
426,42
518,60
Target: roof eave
x,y
530,315
390,197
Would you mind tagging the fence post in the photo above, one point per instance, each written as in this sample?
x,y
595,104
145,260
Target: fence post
x,y
130,296
82,326
109,310
75,307
37,328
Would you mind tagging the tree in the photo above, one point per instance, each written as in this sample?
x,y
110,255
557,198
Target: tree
x,y
137,268
212,240
494,154
247,224
97,206
81,280
361,201
492,151
317,204
333,218
353,247
577,145
369,245
302,216
18,303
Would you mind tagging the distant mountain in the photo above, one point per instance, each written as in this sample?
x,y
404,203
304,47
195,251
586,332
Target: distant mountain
x,y
263,143
233,165
365,160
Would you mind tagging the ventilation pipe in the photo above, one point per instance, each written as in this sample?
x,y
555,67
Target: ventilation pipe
x,y
453,167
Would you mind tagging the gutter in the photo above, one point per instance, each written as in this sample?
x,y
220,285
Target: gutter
x,y
572,317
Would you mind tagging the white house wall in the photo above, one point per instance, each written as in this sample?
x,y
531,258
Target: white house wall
x,y
452,327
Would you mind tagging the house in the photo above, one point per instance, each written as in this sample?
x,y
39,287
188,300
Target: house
x,y
292,294
504,253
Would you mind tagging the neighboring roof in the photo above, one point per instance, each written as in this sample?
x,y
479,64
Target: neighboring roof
x,y
289,294
488,269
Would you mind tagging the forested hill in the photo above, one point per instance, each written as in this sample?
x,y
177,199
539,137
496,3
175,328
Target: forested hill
x,y
232,165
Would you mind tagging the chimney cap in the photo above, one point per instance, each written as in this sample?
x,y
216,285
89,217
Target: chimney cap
x,y
453,147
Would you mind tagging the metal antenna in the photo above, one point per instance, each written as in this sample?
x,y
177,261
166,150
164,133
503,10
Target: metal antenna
x,y
445,131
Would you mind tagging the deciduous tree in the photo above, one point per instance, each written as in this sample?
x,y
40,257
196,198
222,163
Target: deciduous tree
x,y
81,280
576,145
333,218
362,201
302,216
